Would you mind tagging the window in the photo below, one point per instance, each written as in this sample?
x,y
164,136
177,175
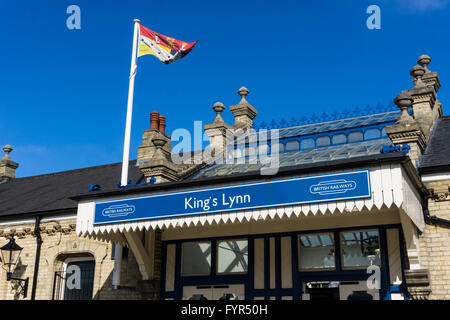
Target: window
x,y
372,134
76,279
360,249
237,153
232,256
339,138
355,136
263,149
277,147
196,258
292,145
308,143
316,252
323,141
249,151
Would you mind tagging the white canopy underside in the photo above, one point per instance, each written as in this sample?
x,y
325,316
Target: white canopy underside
x,y
389,184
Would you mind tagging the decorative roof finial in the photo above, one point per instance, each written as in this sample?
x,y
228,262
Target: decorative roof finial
x,y
403,101
424,60
218,108
7,149
243,92
159,141
417,72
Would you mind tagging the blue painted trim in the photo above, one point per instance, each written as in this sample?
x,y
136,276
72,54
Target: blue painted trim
x,y
385,274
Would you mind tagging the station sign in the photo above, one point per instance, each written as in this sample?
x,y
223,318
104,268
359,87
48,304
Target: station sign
x,y
266,194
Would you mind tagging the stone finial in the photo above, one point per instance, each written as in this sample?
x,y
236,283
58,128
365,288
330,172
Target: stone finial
x,y
159,142
243,112
417,73
424,60
430,79
218,108
7,166
243,92
7,149
404,101
217,131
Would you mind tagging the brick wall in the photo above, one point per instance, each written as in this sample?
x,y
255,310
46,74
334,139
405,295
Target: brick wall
x,y
60,242
435,242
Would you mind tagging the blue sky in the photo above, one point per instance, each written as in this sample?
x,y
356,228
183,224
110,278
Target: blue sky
x,y
63,92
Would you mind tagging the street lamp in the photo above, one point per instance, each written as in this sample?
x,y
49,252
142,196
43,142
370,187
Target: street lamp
x,y
10,257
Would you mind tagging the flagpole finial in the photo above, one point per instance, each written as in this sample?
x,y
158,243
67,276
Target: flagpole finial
x,y
137,21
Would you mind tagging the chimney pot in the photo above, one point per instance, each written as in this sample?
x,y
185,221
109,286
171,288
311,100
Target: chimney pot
x,y
162,123
154,120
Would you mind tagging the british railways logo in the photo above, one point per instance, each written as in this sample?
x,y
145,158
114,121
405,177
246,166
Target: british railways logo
x,y
118,210
332,187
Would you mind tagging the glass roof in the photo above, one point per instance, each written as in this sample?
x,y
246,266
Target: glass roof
x,y
342,124
287,159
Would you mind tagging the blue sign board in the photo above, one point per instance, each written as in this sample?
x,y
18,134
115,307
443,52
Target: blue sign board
x,y
313,189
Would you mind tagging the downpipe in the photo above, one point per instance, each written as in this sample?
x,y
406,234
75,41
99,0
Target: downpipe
x,y
39,241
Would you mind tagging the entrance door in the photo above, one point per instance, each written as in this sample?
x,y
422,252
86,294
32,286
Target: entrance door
x,y
214,292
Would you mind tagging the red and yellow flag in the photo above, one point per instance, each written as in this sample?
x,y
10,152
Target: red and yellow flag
x,y
164,48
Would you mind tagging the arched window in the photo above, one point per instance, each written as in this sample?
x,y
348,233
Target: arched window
x,y
76,278
355,136
383,132
308,143
339,138
323,141
371,134
292,145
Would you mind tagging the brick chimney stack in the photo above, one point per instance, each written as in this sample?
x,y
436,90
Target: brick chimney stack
x,y
7,166
157,126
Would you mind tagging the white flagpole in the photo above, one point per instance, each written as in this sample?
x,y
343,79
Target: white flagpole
x,y
126,144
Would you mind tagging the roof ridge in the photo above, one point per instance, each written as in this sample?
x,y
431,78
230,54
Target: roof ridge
x,y
68,171
336,120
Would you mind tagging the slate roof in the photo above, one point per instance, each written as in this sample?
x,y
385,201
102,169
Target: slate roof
x,y
50,192
437,154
